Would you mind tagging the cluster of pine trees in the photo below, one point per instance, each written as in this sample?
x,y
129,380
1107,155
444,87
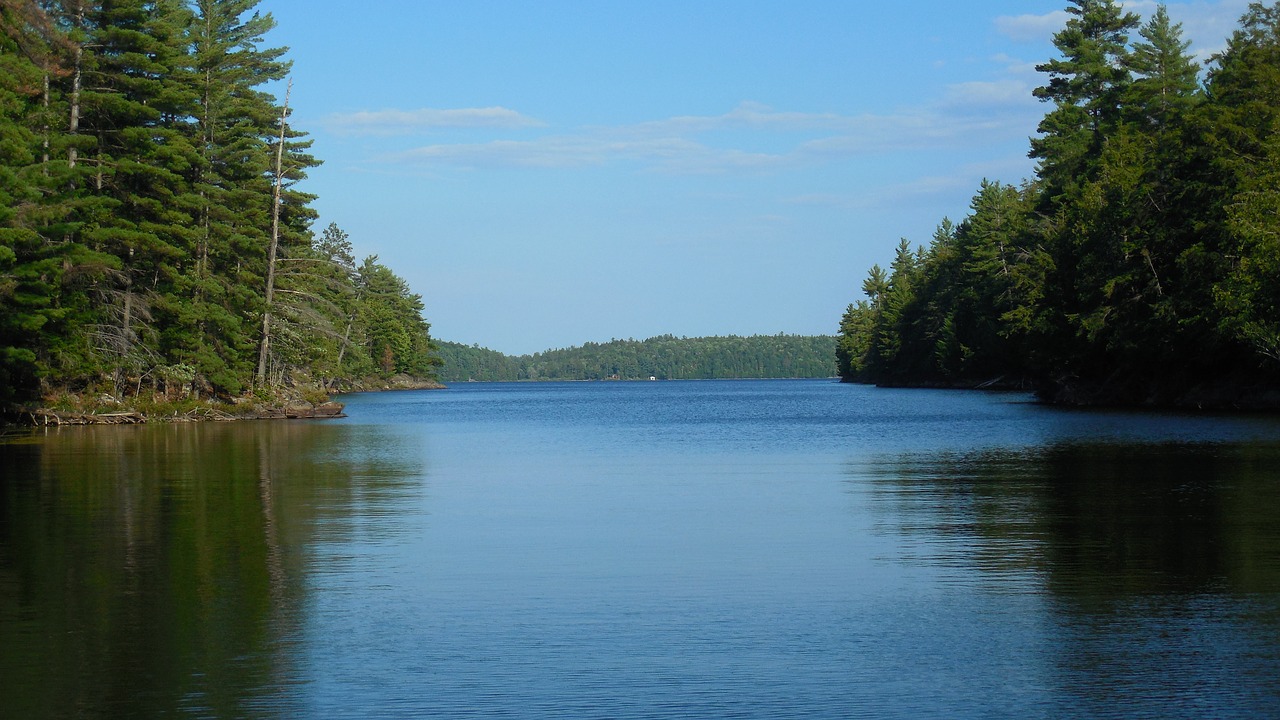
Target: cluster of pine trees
x,y
152,236
1140,265
665,357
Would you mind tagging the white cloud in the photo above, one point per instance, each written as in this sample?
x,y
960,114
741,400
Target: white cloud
x,y
669,154
396,122
962,182
979,94
1031,28
749,115
1206,23
968,113
929,186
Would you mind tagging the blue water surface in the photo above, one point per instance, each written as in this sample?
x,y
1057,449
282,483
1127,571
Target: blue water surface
x,y
696,549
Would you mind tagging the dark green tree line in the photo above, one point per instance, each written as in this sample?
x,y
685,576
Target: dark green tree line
x,y
1139,265
664,357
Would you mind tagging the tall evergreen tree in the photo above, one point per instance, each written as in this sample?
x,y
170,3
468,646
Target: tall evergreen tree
x,y
26,298
1086,85
235,122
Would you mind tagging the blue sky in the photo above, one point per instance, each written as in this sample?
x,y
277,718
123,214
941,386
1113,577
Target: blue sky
x,y
550,173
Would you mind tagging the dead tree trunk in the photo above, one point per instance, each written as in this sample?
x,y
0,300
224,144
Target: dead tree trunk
x,y
273,250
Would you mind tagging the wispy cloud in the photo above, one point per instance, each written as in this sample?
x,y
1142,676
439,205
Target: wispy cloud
x,y
963,179
1207,23
399,122
989,94
669,154
1031,28
747,115
922,187
715,144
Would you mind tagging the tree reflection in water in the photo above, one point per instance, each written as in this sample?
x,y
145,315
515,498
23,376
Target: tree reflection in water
x,y
152,570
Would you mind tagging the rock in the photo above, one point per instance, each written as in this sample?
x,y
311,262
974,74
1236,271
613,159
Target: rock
x,y
298,409
329,410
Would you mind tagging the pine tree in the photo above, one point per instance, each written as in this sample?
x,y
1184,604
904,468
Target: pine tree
x,y
146,176
1086,85
26,299
235,122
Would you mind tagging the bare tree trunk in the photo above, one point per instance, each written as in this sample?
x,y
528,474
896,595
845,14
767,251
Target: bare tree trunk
x,y
76,77
265,348
207,152
346,335
346,338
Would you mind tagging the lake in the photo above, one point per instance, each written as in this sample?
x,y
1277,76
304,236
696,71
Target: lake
x,y
706,549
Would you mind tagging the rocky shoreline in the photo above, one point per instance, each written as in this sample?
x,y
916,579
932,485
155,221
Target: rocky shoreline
x,y
297,410
116,413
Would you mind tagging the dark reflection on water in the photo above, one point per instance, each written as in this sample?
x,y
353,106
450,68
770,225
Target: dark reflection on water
x,y
1096,521
1159,564
159,571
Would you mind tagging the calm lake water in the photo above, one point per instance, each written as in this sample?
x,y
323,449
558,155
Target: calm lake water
x,y
744,549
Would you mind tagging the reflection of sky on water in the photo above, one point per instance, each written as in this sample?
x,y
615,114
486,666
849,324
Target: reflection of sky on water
x,y
787,415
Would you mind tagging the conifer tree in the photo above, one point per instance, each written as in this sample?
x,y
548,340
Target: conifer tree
x,y
1141,264
235,123
137,148
1244,87
26,300
1085,85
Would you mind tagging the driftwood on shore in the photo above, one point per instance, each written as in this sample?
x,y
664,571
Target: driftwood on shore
x,y
54,417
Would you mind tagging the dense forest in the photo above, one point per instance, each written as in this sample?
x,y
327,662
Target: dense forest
x,y
153,239
665,357
1141,265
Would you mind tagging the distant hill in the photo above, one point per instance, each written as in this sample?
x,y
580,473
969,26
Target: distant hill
x,y
665,357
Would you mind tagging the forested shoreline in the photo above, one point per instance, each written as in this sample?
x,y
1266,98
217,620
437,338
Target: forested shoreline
x,y
665,357
154,244
1141,265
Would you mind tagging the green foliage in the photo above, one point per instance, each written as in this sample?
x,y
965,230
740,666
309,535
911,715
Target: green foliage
x,y
396,337
137,167
1143,258
665,357
462,363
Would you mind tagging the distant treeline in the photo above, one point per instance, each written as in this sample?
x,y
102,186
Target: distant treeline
x,y
1142,263
153,240
665,357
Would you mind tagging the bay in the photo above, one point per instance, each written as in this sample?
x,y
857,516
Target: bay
x,y
665,549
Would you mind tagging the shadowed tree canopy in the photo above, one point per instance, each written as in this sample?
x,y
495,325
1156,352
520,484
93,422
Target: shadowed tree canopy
x,y
1139,265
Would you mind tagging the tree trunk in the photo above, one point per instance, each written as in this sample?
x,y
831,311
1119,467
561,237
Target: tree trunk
x,y
265,348
76,78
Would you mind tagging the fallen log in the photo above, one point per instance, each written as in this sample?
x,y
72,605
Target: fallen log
x,y
54,417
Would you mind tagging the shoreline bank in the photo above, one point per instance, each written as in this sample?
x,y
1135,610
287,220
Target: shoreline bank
x,y
291,406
